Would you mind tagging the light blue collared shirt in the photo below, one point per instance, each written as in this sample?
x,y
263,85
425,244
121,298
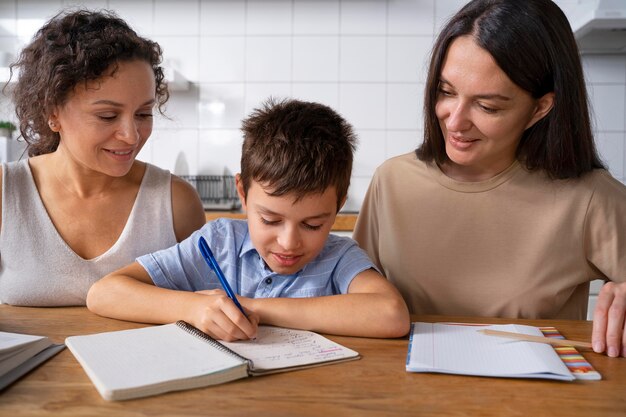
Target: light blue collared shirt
x,y
182,267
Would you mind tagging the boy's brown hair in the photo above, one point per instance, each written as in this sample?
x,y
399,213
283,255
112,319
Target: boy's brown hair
x,y
298,147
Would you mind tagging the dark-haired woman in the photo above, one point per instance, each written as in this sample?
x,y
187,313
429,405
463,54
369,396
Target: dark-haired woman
x,y
81,206
505,210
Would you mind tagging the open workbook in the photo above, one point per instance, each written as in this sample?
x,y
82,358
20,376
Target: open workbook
x,y
462,349
152,360
20,353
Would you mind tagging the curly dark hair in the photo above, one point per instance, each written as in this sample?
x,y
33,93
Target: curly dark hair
x,y
74,47
297,147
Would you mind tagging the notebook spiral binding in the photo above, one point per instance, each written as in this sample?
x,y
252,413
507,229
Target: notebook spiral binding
x,y
199,333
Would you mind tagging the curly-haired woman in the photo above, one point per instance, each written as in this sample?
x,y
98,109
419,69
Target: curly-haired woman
x,y
81,205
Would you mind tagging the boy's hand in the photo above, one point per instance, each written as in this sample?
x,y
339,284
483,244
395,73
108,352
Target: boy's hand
x,y
216,315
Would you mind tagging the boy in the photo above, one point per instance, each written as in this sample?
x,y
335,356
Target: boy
x,y
282,262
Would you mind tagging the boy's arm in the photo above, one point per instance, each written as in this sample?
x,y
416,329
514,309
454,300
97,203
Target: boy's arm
x,y
129,294
372,308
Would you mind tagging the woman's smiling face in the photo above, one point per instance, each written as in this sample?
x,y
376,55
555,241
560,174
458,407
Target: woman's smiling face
x,y
106,122
481,112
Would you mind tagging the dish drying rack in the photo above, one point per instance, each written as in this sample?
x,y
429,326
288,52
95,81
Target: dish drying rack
x,y
217,192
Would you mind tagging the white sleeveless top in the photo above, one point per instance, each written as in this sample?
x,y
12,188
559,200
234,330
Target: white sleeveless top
x,y
38,268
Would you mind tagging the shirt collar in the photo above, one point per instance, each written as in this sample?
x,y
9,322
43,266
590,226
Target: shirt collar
x,y
246,246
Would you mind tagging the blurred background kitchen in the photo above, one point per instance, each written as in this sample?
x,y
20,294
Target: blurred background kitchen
x,y
365,58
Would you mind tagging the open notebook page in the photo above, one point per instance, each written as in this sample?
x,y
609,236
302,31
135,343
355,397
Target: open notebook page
x,y
278,348
461,349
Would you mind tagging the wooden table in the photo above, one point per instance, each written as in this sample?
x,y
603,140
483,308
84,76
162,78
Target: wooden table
x,y
376,385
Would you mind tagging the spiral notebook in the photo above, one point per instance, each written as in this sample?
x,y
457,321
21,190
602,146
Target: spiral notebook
x,y
456,348
152,360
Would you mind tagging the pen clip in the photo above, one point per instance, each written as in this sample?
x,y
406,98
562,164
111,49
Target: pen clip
x,y
208,256
204,249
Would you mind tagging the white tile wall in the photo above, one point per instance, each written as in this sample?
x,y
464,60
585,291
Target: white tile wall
x,y
176,18
222,59
412,17
269,17
222,17
8,23
138,13
221,105
269,59
31,14
327,93
364,17
316,17
370,153
403,66
258,92
365,58
316,59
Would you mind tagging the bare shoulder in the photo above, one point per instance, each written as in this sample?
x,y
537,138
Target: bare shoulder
x,y
186,207
184,190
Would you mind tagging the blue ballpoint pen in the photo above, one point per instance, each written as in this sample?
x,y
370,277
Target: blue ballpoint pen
x,y
212,262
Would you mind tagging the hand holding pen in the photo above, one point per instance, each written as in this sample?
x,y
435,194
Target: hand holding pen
x,y
208,256
212,262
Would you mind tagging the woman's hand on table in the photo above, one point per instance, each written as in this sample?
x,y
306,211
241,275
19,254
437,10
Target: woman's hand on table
x,y
608,320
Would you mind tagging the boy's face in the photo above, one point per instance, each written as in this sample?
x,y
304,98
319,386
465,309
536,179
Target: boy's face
x,y
288,234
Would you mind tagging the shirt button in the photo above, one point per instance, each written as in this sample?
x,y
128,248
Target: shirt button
x,y
268,281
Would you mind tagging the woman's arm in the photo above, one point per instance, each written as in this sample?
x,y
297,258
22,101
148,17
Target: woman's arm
x,y
186,209
372,308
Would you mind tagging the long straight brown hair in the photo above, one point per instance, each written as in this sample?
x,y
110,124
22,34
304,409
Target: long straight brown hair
x,y
533,43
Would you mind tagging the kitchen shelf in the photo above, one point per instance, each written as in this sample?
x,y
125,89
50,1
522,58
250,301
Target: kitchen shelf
x,y
217,192
175,80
